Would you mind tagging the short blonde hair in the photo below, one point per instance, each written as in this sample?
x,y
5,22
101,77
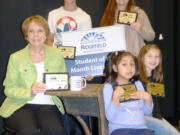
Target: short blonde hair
x,y
38,19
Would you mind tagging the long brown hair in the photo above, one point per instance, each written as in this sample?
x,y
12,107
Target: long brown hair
x,y
114,59
157,73
109,13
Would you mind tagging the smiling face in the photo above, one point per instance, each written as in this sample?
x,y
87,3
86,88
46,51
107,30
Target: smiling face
x,y
151,59
36,34
126,69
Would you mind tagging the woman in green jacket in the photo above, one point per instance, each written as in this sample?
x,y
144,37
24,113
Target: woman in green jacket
x,y
26,109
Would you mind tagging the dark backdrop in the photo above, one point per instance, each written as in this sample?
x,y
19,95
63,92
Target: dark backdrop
x,y
177,16
164,16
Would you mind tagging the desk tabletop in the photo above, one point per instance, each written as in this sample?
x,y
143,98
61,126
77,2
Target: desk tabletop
x,y
89,106
91,90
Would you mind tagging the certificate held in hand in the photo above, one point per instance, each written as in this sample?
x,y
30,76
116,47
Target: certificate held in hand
x,y
126,17
129,89
156,89
56,81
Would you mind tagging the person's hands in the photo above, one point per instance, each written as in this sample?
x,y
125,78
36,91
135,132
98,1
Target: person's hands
x,y
136,26
89,77
38,88
118,92
140,94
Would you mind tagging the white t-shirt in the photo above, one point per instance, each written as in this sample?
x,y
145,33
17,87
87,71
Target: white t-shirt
x,y
60,20
40,98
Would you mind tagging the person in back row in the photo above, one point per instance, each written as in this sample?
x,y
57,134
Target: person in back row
x,y
68,17
135,33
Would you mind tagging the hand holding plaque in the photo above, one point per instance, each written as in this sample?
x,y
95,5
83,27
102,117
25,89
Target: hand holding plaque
x,y
129,89
126,17
156,89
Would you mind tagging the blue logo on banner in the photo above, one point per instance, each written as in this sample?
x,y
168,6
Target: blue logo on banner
x,y
93,41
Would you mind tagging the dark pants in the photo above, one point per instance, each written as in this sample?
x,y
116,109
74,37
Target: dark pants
x,y
73,127
36,120
132,132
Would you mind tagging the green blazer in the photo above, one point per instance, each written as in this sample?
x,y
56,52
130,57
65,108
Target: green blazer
x,y
21,74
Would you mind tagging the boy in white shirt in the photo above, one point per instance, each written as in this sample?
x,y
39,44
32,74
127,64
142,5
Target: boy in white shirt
x,y
69,17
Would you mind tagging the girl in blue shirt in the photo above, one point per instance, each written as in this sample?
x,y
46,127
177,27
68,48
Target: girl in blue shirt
x,y
125,118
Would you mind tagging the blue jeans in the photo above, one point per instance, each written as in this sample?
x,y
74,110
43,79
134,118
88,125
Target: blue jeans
x,y
160,127
125,131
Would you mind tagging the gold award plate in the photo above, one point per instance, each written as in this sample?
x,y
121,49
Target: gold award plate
x,y
156,89
129,89
126,17
68,52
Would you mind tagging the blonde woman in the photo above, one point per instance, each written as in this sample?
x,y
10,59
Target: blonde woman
x,y
26,109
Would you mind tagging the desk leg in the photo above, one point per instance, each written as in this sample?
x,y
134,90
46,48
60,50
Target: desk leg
x,y
101,119
83,124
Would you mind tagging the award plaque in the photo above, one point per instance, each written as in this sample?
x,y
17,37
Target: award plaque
x,y
156,89
56,81
129,89
68,52
126,17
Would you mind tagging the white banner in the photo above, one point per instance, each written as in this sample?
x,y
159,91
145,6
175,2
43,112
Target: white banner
x,y
92,47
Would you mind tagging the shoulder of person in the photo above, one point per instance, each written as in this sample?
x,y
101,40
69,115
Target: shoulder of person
x,y
55,10
137,9
83,12
138,82
139,85
20,53
108,86
51,49
53,52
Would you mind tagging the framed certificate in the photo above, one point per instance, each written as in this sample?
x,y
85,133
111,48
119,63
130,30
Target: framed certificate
x,y
130,88
68,52
156,89
126,17
56,81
